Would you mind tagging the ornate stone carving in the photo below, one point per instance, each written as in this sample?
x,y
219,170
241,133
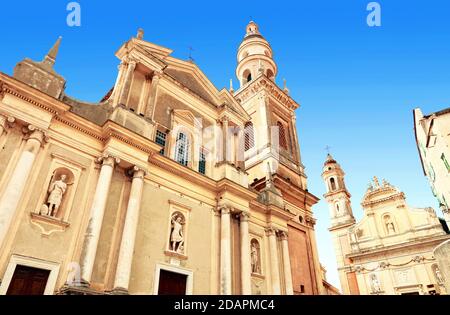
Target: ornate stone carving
x,y
56,191
107,159
283,235
244,217
438,274
375,284
177,233
255,256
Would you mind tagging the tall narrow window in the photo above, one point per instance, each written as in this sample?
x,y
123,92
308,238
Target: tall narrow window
x,y
444,159
249,136
182,149
282,135
332,184
161,140
202,162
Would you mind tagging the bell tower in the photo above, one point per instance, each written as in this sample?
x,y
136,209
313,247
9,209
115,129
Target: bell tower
x,y
337,194
254,57
342,219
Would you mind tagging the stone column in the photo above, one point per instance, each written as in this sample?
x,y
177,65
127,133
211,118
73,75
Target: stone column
x,y
274,264
152,97
225,252
226,139
442,255
246,265
16,185
127,83
95,222
125,260
286,264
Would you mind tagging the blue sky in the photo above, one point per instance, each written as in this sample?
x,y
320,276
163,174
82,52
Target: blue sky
x,y
357,85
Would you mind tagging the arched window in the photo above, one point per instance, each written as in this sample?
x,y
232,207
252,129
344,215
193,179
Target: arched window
x,y
332,184
282,135
249,77
338,210
270,74
249,136
182,149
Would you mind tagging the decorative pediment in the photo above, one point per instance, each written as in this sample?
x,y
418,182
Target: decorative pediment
x,y
263,83
190,77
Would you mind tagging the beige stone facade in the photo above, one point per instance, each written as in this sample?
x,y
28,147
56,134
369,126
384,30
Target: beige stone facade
x,y
167,185
433,138
390,250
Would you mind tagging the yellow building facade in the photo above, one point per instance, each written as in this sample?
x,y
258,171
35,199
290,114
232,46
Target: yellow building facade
x,y
390,250
167,186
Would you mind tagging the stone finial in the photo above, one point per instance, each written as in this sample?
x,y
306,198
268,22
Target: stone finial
x,y
140,34
285,89
231,86
386,183
50,58
376,182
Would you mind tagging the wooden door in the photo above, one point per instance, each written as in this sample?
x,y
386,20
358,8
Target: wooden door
x,y
28,281
171,283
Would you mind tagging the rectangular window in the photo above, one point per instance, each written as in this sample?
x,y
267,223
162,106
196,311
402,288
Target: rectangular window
x,y
202,162
444,159
161,140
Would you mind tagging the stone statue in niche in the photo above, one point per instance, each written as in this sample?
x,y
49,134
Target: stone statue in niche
x,y
177,235
375,284
56,192
255,257
439,276
390,226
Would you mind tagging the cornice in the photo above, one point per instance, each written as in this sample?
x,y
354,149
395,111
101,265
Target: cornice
x,y
264,83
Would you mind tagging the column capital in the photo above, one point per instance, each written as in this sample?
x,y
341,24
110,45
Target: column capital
x,y
270,231
225,210
283,235
107,159
35,133
244,216
7,121
157,74
136,172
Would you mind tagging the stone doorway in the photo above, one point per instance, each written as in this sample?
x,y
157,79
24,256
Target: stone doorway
x,y
28,281
171,283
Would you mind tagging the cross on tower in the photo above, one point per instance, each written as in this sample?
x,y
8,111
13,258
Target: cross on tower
x,y
328,149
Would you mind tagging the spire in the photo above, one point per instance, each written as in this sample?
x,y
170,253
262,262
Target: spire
x,y
50,58
231,86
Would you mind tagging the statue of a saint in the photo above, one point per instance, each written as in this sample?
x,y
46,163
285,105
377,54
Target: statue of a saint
x,y
439,276
57,190
390,227
177,238
255,258
375,284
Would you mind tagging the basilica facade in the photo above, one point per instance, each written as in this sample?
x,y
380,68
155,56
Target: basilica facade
x,y
390,251
166,186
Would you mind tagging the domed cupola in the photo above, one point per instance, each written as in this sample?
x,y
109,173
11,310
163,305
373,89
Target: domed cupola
x,y
255,57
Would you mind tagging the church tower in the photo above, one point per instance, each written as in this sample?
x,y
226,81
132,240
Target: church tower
x,y
337,195
342,219
255,57
271,140
271,155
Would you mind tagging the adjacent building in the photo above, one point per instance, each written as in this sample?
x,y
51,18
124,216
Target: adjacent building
x,y
390,250
433,138
166,186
